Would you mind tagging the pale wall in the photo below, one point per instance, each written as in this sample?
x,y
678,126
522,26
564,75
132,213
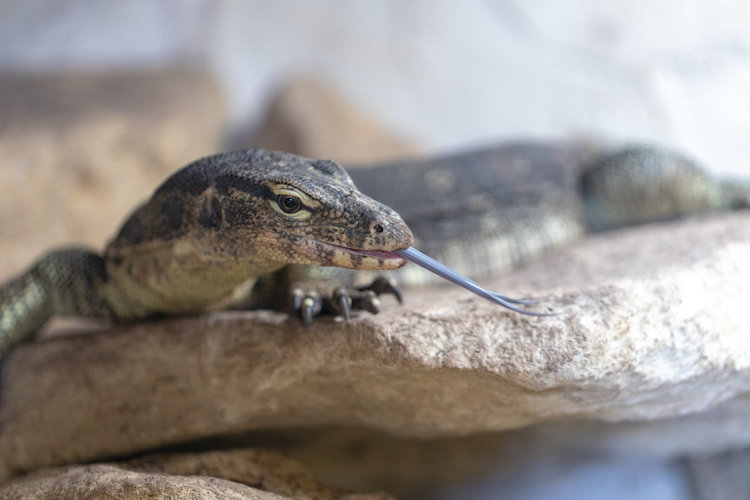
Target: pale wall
x,y
452,73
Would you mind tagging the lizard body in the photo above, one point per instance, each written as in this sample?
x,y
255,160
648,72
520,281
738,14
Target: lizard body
x,y
218,223
265,217
486,211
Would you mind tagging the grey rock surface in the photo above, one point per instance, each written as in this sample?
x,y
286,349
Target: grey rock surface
x,y
652,327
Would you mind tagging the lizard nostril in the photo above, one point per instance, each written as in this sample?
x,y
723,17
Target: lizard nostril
x,y
378,228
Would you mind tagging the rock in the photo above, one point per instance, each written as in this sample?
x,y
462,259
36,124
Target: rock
x,y
107,481
80,150
652,328
312,119
241,474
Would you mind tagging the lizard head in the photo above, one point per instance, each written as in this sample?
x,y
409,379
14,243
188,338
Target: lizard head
x,y
271,209
306,211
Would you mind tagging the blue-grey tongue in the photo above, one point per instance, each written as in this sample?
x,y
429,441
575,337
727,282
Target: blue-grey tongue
x,y
417,257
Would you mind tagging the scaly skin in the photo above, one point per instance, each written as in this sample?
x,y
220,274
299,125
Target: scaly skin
x,y
217,224
485,211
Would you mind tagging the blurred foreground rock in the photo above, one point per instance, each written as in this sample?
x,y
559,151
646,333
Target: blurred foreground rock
x,y
653,328
80,150
232,474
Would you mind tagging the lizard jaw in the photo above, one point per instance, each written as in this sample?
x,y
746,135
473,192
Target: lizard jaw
x,y
353,258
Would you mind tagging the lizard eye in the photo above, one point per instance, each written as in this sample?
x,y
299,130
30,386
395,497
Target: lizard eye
x,y
291,203
288,203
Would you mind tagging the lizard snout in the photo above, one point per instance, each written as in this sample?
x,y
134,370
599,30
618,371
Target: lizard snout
x,y
389,232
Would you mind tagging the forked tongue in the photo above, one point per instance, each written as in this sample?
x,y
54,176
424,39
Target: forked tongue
x,y
420,259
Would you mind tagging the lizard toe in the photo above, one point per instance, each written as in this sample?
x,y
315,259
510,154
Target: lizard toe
x,y
306,304
310,309
366,300
382,285
341,302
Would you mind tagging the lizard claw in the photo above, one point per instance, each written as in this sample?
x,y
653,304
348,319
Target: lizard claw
x,y
306,305
309,304
342,302
297,296
308,311
381,285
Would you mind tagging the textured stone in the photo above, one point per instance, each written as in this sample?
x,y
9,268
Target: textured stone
x,y
240,474
79,150
108,481
309,118
652,328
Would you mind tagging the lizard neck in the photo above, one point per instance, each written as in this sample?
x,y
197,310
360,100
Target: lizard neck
x,y
176,277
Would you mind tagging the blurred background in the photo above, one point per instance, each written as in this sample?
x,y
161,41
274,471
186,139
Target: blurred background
x,y
447,74
100,100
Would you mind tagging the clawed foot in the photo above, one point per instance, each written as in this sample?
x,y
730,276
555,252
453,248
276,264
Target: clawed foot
x,y
308,304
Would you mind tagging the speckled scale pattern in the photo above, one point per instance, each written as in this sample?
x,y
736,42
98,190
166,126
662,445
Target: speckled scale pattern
x,y
483,212
641,184
66,282
230,174
208,229
212,226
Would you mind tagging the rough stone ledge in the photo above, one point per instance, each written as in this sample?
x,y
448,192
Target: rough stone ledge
x,y
653,327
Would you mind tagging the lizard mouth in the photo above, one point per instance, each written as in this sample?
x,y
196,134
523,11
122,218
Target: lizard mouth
x,y
354,258
377,254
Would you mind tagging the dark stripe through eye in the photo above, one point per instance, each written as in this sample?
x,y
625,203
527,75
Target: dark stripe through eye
x,y
288,203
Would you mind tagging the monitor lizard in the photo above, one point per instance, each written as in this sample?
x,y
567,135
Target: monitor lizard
x,y
274,220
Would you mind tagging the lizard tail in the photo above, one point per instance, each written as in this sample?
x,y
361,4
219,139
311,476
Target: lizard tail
x,y
66,282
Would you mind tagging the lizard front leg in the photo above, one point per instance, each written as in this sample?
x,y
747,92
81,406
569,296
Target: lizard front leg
x,y
311,291
65,282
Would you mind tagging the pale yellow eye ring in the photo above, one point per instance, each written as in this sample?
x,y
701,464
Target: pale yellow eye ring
x,y
296,212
